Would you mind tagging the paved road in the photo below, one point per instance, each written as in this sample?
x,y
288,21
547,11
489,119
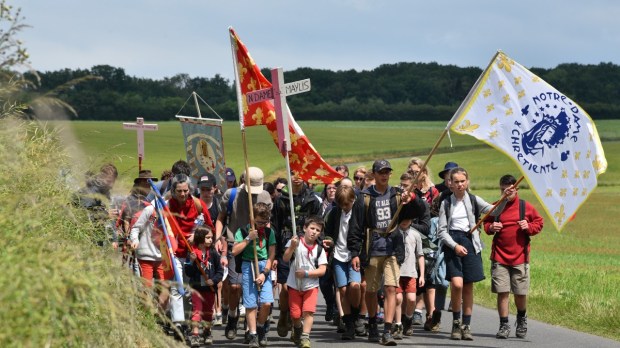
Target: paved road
x,y
484,326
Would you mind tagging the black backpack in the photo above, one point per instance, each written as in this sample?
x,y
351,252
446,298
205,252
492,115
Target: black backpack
x,y
472,198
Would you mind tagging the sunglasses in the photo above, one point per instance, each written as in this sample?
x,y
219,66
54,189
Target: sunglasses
x,y
279,190
358,178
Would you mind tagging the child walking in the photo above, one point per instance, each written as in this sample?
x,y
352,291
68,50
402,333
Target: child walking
x,y
266,251
204,289
309,264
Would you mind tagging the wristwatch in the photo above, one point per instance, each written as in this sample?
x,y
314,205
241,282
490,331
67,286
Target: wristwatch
x,y
247,238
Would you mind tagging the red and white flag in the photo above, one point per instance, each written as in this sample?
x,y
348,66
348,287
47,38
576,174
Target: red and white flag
x,y
305,161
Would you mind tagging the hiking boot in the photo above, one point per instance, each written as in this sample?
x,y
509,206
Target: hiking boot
x,y
456,330
262,336
466,333
397,331
329,313
341,327
428,323
387,339
521,330
304,342
373,333
195,341
231,328
224,316
247,338
296,336
504,331
253,341
349,332
417,318
360,328
282,327
436,321
407,326
267,326
208,337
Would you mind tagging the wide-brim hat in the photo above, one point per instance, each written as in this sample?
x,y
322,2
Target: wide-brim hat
x,y
449,166
143,175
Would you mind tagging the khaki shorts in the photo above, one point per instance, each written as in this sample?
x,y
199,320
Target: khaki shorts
x,y
515,279
382,266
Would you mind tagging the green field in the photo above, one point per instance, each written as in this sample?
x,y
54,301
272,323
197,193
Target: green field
x,y
574,273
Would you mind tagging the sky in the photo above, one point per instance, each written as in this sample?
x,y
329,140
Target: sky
x,y
162,38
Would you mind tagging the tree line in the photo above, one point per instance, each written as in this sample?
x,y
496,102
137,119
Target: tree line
x,y
401,91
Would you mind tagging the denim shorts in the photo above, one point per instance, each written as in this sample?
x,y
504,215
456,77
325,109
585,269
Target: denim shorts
x,y
250,291
345,274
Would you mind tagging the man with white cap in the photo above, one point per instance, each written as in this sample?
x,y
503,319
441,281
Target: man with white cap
x,y
235,209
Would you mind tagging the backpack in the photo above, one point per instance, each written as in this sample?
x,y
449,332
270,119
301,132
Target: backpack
x,y
472,199
527,236
429,248
438,270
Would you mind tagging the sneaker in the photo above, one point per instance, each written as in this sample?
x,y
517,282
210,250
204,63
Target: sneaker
x,y
282,327
521,330
217,321
407,326
373,333
253,341
456,330
231,328
208,337
262,336
504,331
466,333
195,341
436,321
397,331
417,318
387,339
305,342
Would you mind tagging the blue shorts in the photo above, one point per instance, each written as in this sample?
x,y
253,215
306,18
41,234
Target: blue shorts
x,y
250,291
345,274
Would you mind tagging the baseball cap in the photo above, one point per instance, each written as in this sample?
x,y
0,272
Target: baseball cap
x,y
207,180
230,175
380,165
255,180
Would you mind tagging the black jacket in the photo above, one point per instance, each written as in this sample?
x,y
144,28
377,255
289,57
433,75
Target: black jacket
x,y
214,270
356,227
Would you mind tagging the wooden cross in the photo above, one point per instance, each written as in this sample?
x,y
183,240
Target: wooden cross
x,y
140,127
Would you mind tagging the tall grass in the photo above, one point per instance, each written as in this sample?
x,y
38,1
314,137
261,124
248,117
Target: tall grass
x,y
58,287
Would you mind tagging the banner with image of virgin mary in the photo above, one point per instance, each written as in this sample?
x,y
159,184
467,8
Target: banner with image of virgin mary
x,y
204,147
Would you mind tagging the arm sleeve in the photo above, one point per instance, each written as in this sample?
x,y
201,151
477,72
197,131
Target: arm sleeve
x,y
140,223
534,219
442,228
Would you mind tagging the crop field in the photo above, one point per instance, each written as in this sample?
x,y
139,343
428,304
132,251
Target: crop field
x,y
574,272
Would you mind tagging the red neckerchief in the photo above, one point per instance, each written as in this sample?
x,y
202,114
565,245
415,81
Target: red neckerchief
x,y
204,260
310,249
261,236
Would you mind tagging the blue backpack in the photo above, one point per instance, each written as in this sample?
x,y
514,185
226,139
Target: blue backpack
x,y
438,272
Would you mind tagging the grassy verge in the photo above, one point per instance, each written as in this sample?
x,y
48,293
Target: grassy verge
x,y
58,288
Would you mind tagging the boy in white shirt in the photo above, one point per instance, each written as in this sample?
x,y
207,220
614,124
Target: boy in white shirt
x,y
309,263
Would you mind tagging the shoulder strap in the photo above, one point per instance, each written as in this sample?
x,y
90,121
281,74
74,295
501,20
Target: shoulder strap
x,y
521,209
474,204
198,205
319,251
231,199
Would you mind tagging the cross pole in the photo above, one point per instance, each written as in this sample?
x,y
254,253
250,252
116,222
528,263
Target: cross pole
x,y
278,92
140,127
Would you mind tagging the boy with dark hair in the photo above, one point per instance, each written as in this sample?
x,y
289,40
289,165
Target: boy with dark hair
x,y
261,241
510,271
309,264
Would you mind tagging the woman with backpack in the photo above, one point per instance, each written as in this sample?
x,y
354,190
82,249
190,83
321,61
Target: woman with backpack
x,y
458,214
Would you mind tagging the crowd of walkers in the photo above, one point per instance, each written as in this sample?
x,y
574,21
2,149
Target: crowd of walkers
x,y
378,254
